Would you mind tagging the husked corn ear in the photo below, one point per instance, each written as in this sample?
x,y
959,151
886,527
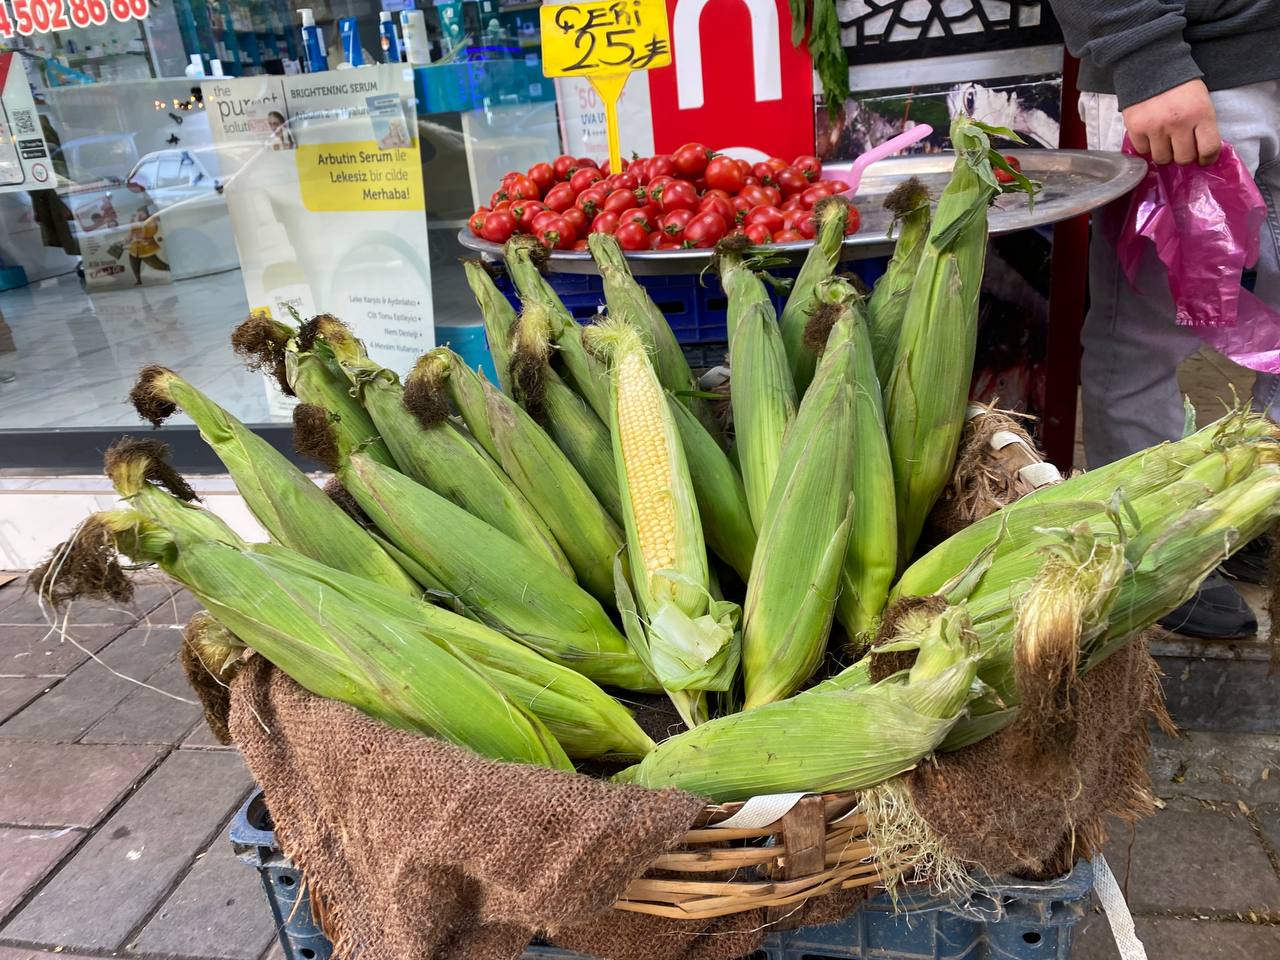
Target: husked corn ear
x,y
686,637
795,576
292,509
583,371
538,468
722,499
440,455
909,203
499,319
832,215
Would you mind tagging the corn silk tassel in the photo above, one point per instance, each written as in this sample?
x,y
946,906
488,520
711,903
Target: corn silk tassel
x,y
928,387
804,535
539,469
293,510
440,455
832,215
909,204
684,635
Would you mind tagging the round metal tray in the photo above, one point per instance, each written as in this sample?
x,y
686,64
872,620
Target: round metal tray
x,y
1074,182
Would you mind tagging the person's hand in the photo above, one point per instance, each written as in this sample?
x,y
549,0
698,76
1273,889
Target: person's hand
x,y
1178,126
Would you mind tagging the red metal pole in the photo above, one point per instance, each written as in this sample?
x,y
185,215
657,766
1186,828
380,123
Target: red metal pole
x,y
1068,289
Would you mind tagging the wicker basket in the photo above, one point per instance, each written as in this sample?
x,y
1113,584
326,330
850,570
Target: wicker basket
x,y
820,845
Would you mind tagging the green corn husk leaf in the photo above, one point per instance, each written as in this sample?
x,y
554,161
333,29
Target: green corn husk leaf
x,y
380,665
583,371
499,319
584,719
687,638
524,451
763,399
928,389
442,456
742,286
795,577
292,509
496,581
819,264
628,300
910,205
825,739
717,486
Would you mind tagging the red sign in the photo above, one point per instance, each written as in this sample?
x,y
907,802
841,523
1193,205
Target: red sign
x,y
735,80
50,16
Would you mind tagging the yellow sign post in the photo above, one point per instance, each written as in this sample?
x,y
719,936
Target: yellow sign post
x,y
605,41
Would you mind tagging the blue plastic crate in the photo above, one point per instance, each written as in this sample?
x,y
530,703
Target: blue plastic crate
x,y
694,304
1020,921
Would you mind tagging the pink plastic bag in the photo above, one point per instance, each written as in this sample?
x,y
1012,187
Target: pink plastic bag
x,y
1205,223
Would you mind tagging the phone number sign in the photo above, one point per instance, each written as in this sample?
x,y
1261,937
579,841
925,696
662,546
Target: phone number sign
x,y
49,16
613,36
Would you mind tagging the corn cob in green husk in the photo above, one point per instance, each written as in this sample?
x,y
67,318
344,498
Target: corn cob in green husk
x,y
828,738
292,509
928,387
582,370
628,300
909,203
832,214
524,451
380,664
717,486
441,456
804,535
684,636
499,319
762,393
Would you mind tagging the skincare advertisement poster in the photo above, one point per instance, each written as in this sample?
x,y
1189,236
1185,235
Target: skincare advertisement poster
x,y
323,178
24,161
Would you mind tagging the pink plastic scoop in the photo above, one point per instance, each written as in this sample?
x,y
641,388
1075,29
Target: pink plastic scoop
x,y
851,173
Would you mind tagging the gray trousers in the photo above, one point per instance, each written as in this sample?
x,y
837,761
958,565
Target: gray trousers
x,y
1132,345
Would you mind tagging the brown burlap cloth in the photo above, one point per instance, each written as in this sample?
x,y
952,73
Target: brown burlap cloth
x,y
413,848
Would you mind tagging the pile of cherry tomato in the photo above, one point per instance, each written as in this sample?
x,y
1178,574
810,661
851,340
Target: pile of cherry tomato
x,y
691,198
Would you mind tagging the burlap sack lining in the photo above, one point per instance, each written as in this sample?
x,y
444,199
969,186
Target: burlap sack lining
x,y
414,848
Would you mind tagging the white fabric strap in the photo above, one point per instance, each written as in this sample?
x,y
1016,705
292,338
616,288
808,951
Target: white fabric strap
x,y
975,410
761,811
1117,911
1040,474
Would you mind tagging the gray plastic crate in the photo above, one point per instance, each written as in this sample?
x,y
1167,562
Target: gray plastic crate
x,y
1019,921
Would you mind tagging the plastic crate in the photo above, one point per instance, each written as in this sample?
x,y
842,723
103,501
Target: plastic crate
x,y
694,304
1020,921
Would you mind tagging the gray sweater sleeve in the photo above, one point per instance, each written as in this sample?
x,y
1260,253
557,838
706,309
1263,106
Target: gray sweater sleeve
x,y
1138,42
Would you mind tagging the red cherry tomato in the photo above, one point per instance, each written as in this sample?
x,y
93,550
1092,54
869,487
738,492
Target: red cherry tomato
x,y
808,227
678,195
476,221
671,245
705,230
625,181
639,169
718,205
661,166
837,186
637,216
787,236
813,195
543,175
584,178
560,197
498,227
755,195
520,187
810,167
793,202
792,219
656,239
791,181
723,173
632,236
651,213
776,163
700,185
769,217
591,200
741,207
744,166
524,211
502,205
691,159
673,223
762,172
1003,176
758,233
658,182
773,195
605,222
853,223
713,192
497,197
557,234
580,246
621,199
578,220
751,180
588,162
563,165
546,216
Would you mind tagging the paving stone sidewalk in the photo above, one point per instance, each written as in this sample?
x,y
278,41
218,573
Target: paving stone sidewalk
x,y
115,801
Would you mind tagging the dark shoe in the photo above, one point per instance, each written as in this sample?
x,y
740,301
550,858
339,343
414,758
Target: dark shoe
x,y
1249,563
1216,612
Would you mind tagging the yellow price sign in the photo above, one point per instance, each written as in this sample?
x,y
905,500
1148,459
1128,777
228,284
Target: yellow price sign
x,y
605,41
